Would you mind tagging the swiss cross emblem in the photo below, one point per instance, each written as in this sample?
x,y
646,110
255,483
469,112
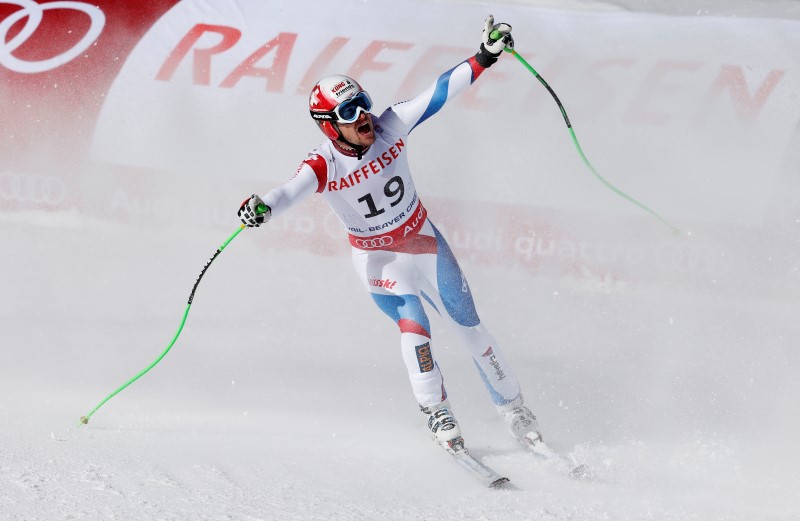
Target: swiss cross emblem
x,y
314,99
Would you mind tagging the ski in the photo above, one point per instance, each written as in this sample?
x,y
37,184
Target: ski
x,y
478,470
573,469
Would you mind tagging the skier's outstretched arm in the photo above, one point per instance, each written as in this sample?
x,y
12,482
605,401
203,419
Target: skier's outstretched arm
x,y
453,82
309,179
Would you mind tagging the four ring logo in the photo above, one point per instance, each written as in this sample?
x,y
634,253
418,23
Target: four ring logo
x,y
33,13
376,242
25,188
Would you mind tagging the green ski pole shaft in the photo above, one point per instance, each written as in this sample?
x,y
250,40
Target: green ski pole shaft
x,y
496,35
85,419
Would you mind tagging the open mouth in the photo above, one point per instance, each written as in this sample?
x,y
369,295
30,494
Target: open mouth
x,y
366,128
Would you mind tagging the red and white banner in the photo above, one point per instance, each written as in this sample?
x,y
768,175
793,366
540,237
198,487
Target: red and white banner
x,y
123,107
58,60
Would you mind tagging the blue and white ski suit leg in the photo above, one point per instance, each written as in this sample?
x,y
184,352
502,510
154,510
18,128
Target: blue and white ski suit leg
x,y
399,282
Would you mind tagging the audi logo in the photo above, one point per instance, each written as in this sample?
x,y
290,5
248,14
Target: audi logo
x,y
376,242
33,13
25,188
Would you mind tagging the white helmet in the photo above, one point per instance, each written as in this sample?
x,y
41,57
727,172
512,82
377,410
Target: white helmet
x,y
337,99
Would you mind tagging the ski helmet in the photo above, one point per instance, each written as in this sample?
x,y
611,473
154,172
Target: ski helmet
x,y
337,99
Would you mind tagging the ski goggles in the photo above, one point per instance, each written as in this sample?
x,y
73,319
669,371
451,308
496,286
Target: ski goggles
x,y
349,110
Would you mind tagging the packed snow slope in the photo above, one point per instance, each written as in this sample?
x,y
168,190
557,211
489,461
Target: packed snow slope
x,y
285,396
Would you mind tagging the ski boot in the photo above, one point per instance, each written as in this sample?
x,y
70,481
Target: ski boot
x,y
521,422
524,427
443,426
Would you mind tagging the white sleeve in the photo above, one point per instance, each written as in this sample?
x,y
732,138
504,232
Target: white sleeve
x,y
450,84
301,186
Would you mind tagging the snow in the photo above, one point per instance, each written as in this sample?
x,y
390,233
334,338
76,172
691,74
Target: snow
x,y
295,407
285,397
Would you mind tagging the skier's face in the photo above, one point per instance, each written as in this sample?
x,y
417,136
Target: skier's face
x,y
361,132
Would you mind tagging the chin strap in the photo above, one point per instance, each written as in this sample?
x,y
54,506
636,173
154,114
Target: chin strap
x,y
358,149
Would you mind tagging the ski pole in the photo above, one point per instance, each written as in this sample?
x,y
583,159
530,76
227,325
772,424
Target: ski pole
x,y
85,419
496,36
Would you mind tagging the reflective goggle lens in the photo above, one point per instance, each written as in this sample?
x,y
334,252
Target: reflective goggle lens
x,y
348,111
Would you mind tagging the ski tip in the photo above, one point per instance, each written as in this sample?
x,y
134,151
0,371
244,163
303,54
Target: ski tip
x,y
582,473
502,483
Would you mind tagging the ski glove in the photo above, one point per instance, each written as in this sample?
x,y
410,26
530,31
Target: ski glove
x,y
254,211
492,48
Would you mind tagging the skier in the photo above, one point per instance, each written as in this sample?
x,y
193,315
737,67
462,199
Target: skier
x,y
362,171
